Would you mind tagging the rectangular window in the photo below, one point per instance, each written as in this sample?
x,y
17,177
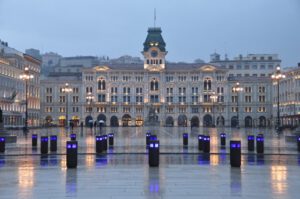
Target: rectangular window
x,y
62,99
48,90
195,110
169,99
114,109
261,98
261,89
234,99
248,99
154,99
101,98
49,99
75,99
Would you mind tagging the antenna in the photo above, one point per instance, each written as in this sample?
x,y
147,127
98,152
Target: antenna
x,y
154,17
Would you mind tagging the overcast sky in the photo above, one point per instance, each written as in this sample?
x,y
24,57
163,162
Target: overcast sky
x,y
191,28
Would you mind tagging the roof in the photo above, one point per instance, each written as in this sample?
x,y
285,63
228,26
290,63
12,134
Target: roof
x,y
251,79
154,37
171,67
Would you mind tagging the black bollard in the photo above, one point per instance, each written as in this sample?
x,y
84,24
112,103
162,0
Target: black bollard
x,y
99,144
200,142
260,143
153,154
53,143
104,142
235,153
34,140
147,138
2,144
223,139
44,144
185,139
206,144
72,147
73,136
250,142
298,143
111,139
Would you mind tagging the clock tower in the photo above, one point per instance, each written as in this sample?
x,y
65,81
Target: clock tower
x,y
154,50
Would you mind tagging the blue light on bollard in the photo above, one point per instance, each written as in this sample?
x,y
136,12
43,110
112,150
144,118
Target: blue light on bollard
x,y
72,147
53,143
223,139
185,139
200,142
298,143
153,155
34,140
153,137
73,136
2,144
260,144
111,139
235,153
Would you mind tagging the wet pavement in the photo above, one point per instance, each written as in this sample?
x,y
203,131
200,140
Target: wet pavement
x,y
124,171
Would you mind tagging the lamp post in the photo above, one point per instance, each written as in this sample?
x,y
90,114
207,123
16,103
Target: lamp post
x,y
89,99
67,89
277,76
237,88
26,76
213,98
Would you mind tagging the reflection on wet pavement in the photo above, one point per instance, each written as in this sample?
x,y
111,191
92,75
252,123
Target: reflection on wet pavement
x,y
129,176
183,172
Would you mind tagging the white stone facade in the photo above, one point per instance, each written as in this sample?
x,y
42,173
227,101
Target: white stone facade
x,y
12,92
289,97
180,94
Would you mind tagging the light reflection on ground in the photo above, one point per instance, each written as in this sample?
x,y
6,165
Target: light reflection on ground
x,y
183,172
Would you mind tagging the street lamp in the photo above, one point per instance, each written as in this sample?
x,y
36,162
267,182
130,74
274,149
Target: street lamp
x,y
237,88
277,76
67,89
213,98
89,99
26,76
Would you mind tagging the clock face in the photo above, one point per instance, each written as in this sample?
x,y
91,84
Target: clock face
x,y
154,53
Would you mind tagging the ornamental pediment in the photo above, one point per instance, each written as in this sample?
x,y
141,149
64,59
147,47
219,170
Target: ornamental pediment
x,y
101,68
154,68
208,68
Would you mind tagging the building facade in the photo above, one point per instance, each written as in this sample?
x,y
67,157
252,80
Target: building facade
x,y
289,97
180,94
252,65
13,88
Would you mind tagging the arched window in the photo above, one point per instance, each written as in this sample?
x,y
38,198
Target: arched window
x,y
207,84
154,85
101,84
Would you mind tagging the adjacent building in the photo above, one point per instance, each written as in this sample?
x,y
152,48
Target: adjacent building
x,y
252,65
13,88
289,97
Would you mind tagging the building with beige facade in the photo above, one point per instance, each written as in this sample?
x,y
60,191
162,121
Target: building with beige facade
x,y
181,94
13,88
